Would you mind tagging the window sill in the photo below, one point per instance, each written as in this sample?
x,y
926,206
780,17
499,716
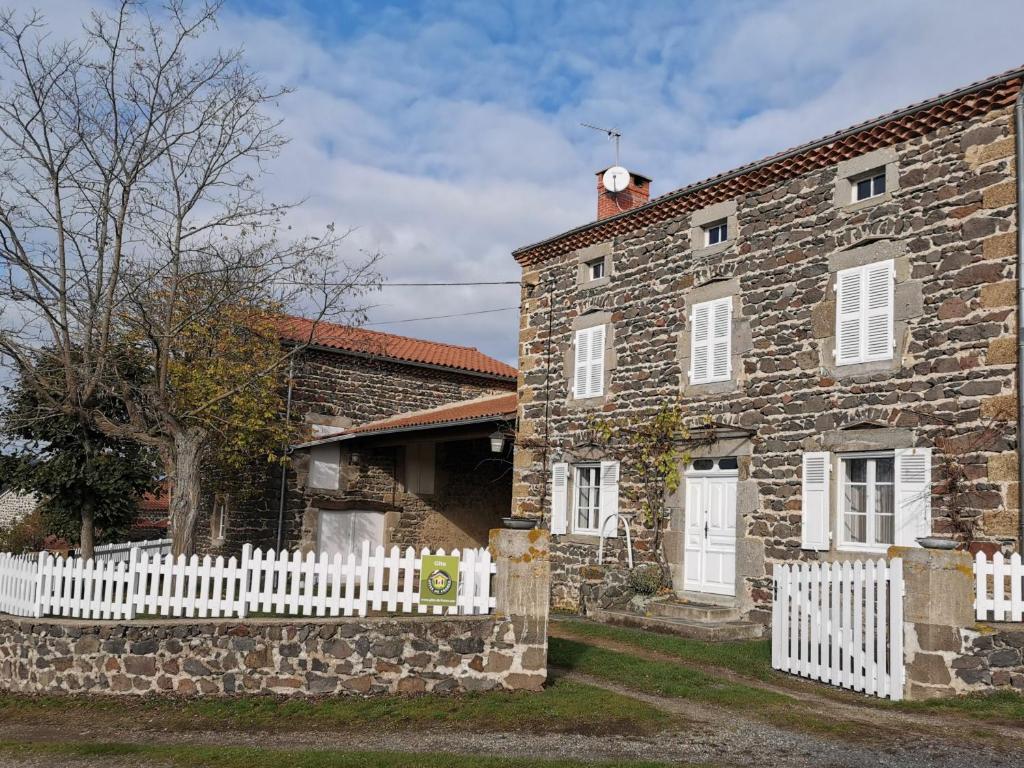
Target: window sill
x,y
712,250
580,538
599,283
870,202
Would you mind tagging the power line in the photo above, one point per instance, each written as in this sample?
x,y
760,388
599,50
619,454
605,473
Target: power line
x,y
443,317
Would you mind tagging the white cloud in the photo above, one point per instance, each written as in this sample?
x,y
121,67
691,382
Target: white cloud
x,y
449,134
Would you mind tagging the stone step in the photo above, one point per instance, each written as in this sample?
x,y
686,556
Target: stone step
x,y
692,611
694,630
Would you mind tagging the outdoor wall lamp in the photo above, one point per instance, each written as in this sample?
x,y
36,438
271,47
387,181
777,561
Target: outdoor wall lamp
x,y
497,441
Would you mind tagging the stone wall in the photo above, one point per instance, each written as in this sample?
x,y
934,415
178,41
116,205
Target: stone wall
x,y
947,223
472,492
395,654
991,658
331,389
347,656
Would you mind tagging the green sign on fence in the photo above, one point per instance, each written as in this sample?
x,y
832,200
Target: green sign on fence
x,y
439,580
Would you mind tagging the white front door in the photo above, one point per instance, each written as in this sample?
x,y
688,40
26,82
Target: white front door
x,y
710,556
344,531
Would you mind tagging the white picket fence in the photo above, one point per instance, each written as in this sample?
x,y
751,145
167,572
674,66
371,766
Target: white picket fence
x,y
998,587
122,550
841,623
285,583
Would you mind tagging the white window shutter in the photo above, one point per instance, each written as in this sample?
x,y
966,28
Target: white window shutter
x,y
559,496
815,495
878,314
609,497
913,495
596,373
849,316
325,466
700,343
582,358
721,340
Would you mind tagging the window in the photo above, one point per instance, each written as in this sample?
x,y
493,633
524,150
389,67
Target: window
x,y
868,497
587,512
219,518
871,185
711,341
595,269
717,232
882,498
324,466
864,313
588,376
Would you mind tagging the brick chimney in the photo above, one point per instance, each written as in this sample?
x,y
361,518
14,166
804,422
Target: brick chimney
x,y
609,203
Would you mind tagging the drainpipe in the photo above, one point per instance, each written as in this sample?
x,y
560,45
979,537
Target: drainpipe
x,y
284,465
1018,116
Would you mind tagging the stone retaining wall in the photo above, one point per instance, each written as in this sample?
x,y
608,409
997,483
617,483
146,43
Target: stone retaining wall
x,y
991,658
332,656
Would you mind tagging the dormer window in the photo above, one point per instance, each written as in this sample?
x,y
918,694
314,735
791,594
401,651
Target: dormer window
x,y
595,269
716,232
868,186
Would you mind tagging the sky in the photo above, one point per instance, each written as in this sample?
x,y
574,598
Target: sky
x,y
447,133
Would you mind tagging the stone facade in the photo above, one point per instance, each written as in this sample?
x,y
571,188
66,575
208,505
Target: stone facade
x,y
332,389
993,659
472,492
947,222
348,656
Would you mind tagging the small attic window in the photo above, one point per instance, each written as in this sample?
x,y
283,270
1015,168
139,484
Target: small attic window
x,y
869,185
716,232
595,269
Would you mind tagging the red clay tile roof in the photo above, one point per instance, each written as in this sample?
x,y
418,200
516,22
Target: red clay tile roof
x,y
491,406
392,347
892,128
149,503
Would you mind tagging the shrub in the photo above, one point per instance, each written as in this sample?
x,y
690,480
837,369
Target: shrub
x,y
645,579
26,535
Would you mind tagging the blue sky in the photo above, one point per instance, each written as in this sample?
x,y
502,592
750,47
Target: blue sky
x,y
448,133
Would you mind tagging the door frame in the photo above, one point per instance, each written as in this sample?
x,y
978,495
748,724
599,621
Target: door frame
x,y
708,474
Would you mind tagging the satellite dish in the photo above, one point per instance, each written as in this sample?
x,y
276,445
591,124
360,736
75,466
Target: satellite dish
x,y
615,179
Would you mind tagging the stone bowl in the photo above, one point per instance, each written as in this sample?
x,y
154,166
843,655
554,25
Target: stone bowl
x,y
937,542
519,523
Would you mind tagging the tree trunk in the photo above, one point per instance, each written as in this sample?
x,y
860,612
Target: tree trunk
x,y
87,537
186,488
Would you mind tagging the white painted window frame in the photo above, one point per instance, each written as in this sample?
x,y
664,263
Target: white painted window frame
x,y
868,176
708,228
871,545
595,507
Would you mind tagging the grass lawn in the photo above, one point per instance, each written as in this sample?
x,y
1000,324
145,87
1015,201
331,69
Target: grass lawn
x,y
248,757
564,706
752,658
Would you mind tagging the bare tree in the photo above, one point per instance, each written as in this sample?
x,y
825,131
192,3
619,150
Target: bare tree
x,y
131,215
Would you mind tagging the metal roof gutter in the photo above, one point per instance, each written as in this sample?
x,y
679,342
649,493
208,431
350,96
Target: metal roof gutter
x,y
1018,115
411,428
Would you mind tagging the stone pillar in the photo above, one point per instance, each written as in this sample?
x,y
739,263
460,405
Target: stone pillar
x,y
938,604
522,590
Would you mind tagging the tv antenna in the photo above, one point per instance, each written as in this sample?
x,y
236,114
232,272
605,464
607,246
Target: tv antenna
x,y
612,133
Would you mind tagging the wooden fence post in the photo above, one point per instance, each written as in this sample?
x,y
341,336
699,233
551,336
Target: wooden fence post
x,y
129,590
38,596
243,582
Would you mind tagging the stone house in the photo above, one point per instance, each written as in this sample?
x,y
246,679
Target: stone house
x,y
345,388
843,317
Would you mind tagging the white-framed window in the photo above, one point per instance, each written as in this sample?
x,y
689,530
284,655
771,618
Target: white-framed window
x,y
868,185
325,466
864,313
586,515
711,341
716,232
595,269
592,504
867,495
588,375
219,518
881,498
